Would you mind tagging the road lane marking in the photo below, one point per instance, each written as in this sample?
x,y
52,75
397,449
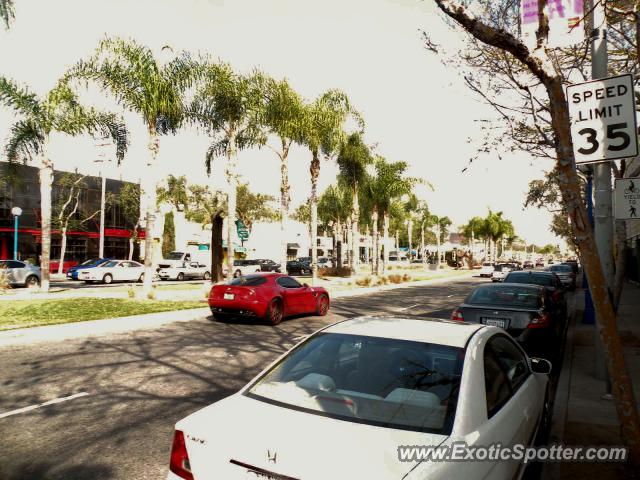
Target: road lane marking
x,y
50,402
408,308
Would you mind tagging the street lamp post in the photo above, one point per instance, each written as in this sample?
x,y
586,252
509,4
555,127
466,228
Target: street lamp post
x,y
102,143
16,211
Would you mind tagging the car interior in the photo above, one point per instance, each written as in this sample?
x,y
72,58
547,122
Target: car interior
x,y
382,381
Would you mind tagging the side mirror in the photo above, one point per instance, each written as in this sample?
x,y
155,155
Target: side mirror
x,y
305,285
540,365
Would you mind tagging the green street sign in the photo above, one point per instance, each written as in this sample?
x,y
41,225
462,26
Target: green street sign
x,y
243,231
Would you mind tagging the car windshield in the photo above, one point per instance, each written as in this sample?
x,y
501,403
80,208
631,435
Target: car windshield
x,y
109,264
530,278
377,381
486,264
505,294
248,281
174,256
561,268
91,261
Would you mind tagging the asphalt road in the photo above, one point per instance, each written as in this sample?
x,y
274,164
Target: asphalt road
x,y
136,385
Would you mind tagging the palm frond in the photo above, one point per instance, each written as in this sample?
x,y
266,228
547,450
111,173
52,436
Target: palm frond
x,y
25,141
217,149
19,98
7,13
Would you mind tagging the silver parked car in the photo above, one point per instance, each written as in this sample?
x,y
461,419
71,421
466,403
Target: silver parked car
x,y
20,274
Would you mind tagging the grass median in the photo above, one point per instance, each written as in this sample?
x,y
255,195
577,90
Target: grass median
x,y
32,313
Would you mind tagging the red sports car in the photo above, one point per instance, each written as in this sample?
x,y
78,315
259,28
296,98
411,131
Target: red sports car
x,y
270,296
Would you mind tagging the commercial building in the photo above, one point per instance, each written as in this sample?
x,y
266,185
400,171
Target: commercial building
x,y
22,189
633,230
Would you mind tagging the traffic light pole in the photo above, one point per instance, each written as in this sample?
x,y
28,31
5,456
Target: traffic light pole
x,y
603,225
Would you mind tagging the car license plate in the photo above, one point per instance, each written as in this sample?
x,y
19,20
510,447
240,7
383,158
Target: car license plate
x,y
495,322
229,296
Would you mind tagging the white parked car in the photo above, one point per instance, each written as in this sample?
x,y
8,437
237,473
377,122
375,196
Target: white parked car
x,y
242,268
487,269
341,402
114,271
192,270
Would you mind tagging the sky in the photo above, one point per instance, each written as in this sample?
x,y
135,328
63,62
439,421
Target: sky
x,y
416,109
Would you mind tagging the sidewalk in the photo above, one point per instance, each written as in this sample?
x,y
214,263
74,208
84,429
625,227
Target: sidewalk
x,y
581,415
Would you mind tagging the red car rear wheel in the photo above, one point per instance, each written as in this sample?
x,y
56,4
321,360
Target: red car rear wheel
x,y
323,305
273,314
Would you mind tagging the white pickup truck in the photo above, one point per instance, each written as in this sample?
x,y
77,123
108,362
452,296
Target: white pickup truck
x,y
178,259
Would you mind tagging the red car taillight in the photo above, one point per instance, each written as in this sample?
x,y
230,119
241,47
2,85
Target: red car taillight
x,y
179,463
457,315
539,322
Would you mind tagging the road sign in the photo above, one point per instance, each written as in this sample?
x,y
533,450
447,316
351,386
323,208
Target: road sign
x,y
627,198
243,231
603,119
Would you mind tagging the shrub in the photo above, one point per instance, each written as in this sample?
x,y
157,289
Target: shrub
x,y
131,292
395,278
334,272
4,281
406,277
364,282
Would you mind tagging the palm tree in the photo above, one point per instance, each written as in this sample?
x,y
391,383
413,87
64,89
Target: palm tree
x,y
140,83
472,230
58,111
388,185
283,115
229,106
6,12
353,158
323,122
334,207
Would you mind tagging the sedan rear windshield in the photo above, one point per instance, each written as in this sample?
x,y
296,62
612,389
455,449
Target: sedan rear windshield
x,y
561,268
248,281
377,381
530,278
510,295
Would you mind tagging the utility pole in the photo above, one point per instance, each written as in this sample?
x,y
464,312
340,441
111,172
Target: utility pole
x,y
102,144
602,173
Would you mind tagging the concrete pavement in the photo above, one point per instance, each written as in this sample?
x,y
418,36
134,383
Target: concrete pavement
x,y
582,414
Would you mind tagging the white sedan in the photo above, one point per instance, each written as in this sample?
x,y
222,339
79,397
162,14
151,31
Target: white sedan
x,y
114,271
342,402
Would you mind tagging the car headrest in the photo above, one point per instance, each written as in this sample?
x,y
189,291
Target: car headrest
x,y
317,381
414,397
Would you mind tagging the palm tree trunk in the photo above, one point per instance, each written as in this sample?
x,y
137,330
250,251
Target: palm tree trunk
x,y
46,185
284,205
385,241
355,245
217,253
134,235
338,238
315,173
409,235
63,249
230,174
422,243
150,199
375,243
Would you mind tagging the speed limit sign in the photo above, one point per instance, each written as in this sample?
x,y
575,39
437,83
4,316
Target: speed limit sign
x,y
603,119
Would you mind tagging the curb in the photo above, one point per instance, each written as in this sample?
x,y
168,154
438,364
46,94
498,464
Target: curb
x,y
551,470
92,328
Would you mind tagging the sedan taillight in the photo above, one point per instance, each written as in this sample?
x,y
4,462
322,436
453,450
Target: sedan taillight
x,y
179,463
456,315
539,322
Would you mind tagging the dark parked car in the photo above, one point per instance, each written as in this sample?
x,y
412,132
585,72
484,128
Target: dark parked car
x,y
295,267
549,280
573,264
268,265
565,272
527,264
525,311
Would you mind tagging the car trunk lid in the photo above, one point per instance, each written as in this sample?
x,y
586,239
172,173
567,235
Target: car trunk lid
x,y
240,437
